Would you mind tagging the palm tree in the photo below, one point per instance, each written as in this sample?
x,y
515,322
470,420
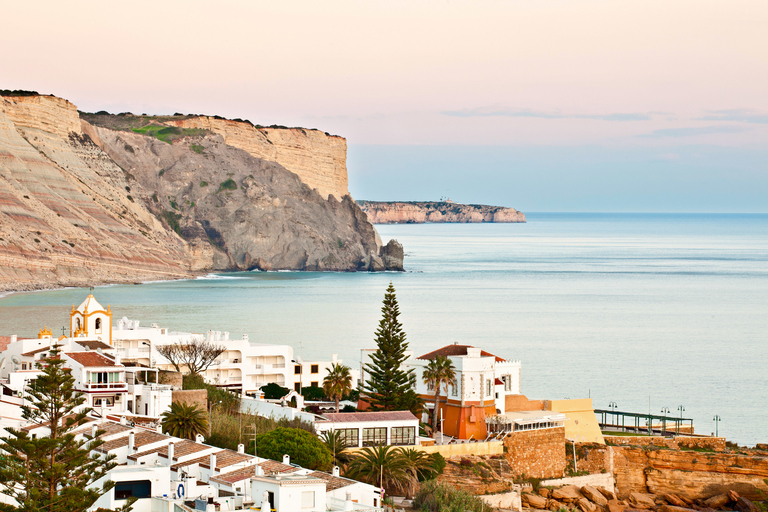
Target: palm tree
x,y
383,466
437,373
337,383
335,443
185,420
420,465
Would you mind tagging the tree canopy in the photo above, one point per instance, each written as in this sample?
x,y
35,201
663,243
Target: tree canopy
x,y
437,373
185,420
195,355
337,383
52,472
305,449
390,387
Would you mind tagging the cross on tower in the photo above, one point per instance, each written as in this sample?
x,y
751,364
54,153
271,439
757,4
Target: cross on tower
x,y
63,330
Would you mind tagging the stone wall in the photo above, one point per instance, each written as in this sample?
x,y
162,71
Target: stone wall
x,y
198,397
451,450
680,442
173,379
536,453
604,480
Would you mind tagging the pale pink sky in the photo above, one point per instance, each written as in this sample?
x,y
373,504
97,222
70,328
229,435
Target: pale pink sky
x,y
405,72
614,88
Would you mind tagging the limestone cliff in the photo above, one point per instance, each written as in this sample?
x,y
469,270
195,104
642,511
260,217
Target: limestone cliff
x,y
442,211
319,159
65,216
83,204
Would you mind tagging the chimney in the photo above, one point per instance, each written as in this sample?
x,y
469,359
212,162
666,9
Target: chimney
x,y
123,421
348,502
335,470
258,471
94,428
159,429
286,460
213,462
13,338
131,442
199,438
170,454
241,448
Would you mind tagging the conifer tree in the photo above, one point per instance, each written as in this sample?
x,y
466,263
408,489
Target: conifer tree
x,y
390,387
51,473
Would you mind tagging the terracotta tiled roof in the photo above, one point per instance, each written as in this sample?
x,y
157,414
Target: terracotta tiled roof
x,y
33,352
47,423
332,482
109,428
224,459
238,475
93,344
92,359
498,382
457,350
6,340
343,417
183,448
137,456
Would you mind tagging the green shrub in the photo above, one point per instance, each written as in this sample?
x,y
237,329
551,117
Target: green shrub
x,y
197,148
435,497
173,218
227,401
274,391
227,185
312,393
203,183
305,449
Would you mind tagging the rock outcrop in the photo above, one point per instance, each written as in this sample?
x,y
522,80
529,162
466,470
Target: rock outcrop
x,y
318,158
83,204
65,216
442,211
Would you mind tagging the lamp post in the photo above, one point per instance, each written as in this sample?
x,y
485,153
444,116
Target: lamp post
x,y
682,410
613,406
716,419
664,411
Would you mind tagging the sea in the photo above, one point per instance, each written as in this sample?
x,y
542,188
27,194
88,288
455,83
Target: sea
x,y
651,312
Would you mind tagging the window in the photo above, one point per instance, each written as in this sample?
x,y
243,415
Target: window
x,y
349,436
454,389
106,401
98,325
308,499
23,366
403,435
430,386
297,387
507,382
313,368
297,369
375,435
313,384
133,489
489,387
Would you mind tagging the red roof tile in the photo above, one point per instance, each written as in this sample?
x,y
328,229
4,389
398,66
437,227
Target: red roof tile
x,y
332,482
342,417
457,350
92,359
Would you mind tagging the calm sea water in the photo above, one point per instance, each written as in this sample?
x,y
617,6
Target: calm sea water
x,y
648,311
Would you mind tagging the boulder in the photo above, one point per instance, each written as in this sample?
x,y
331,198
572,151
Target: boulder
x,y
616,506
674,500
733,495
586,506
745,505
717,501
392,255
555,505
535,501
641,501
543,491
594,495
672,508
609,495
568,494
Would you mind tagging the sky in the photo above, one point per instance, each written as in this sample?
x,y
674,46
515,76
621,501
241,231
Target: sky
x,y
541,105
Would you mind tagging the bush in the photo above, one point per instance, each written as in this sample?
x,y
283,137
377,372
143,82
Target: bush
x,y
227,185
305,449
274,391
313,393
434,497
230,402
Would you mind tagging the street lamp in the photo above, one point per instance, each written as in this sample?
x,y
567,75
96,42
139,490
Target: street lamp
x,y
682,410
613,406
664,411
716,419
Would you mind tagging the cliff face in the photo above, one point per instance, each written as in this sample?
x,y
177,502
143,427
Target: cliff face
x,y
421,212
83,205
319,159
65,217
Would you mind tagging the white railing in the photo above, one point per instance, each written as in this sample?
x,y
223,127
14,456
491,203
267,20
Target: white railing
x,y
278,365
105,385
235,379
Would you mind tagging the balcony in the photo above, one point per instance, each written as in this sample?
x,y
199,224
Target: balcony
x,y
105,386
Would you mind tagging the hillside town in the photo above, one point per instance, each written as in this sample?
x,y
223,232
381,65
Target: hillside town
x,y
460,412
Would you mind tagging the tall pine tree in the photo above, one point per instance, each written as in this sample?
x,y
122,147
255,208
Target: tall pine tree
x,y
390,387
51,473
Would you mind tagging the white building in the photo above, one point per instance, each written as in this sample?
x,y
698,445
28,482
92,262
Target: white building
x,y
358,429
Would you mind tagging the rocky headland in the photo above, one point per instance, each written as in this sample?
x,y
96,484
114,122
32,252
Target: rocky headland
x,y
406,212
88,199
